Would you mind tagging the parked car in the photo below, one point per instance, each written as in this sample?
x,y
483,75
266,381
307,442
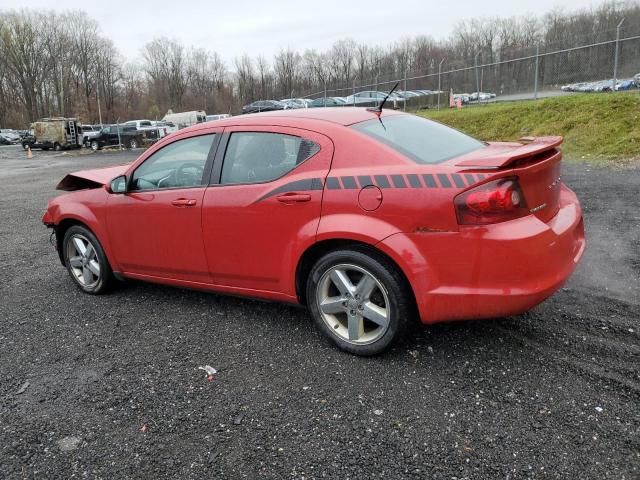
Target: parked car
x,y
159,131
602,85
170,127
118,135
10,135
89,132
295,102
327,102
371,98
364,217
5,141
406,94
220,116
263,106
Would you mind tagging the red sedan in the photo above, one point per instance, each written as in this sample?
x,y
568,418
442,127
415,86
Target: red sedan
x,y
369,219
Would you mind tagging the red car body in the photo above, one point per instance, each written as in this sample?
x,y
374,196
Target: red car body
x,y
256,239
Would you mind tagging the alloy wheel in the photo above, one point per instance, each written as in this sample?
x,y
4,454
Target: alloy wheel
x,y
83,261
354,304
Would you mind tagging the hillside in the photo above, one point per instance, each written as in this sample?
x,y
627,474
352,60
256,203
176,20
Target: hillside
x,y
601,127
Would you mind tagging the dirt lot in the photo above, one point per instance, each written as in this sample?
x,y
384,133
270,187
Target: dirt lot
x,y
109,386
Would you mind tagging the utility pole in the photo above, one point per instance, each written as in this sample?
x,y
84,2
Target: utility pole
x,y
439,84
535,80
477,80
99,109
615,62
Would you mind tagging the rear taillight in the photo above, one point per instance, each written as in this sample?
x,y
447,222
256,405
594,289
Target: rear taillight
x,y
492,202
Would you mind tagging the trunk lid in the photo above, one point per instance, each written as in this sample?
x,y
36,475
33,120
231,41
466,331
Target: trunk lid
x,y
536,163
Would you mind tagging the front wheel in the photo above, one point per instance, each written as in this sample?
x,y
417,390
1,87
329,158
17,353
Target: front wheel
x,y
95,146
85,260
359,300
133,143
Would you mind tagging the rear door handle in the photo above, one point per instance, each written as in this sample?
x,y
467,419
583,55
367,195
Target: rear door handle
x,y
292,197
183,202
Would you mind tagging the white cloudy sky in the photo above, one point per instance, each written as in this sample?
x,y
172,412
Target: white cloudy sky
x,y
233,27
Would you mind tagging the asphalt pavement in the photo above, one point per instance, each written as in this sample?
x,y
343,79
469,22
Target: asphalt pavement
x,y
110,386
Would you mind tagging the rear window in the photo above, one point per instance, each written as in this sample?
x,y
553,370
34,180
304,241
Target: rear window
x,y
421,140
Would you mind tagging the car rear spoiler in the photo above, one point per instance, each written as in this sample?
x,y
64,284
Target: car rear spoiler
x,y
529,147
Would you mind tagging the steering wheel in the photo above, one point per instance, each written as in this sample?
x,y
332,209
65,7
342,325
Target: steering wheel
x,y
184,177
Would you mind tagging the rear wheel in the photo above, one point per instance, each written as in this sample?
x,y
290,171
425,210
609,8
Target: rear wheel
x,y
359,300
85,260
133,143
57,147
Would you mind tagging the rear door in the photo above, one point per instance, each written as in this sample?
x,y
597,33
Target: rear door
x,y
263,205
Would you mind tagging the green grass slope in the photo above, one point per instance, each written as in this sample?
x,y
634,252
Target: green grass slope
x,y
601,127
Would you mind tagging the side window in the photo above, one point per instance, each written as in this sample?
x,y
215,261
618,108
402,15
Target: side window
x,y
257,157
179,164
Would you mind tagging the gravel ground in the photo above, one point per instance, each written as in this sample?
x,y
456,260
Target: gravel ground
x,y
109,386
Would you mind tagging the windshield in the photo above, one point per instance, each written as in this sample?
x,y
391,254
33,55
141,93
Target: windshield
x,y
421,140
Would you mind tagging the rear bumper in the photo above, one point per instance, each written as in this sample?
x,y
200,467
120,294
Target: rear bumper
x,y
498,270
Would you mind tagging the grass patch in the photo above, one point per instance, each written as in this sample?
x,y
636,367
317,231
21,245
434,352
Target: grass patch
x,y
603,128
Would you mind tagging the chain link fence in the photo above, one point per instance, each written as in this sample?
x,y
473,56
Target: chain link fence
x,y
603,64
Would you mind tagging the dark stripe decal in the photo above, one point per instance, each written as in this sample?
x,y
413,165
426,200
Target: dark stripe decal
x,y
444,180
365,181
349,182
398,181
333,184
306,184
414,180
429,180
382,181
457,179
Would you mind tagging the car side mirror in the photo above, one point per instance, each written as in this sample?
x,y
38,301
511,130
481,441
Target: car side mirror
x,y
118,185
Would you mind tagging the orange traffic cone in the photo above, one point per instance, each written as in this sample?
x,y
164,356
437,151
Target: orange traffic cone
x,y
29,154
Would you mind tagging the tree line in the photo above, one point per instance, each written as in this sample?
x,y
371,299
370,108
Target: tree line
x,y
60,64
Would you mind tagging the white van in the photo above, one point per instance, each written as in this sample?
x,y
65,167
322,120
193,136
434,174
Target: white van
x,y
185,119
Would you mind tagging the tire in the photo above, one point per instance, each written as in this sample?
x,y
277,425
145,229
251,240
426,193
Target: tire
x,y
384,297
81,265
95,146
133,143
57,147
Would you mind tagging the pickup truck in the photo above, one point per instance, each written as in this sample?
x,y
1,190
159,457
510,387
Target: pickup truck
x,y
123,135
89,132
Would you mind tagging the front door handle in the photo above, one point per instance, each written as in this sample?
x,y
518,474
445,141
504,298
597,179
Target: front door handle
x,y
292,197
183,202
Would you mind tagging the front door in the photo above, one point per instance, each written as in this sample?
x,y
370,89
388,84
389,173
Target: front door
x,y
155,229
266,204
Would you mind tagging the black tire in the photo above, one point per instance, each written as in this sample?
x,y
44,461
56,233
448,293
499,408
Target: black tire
x,y
57,147
95,146
104,280
400,308
133,143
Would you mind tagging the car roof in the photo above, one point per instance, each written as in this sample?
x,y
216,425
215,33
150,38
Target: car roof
x,y
342,116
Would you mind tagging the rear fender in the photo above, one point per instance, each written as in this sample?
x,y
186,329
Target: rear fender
x,y
403,250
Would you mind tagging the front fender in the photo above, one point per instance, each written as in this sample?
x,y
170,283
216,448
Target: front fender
x,y
87,210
